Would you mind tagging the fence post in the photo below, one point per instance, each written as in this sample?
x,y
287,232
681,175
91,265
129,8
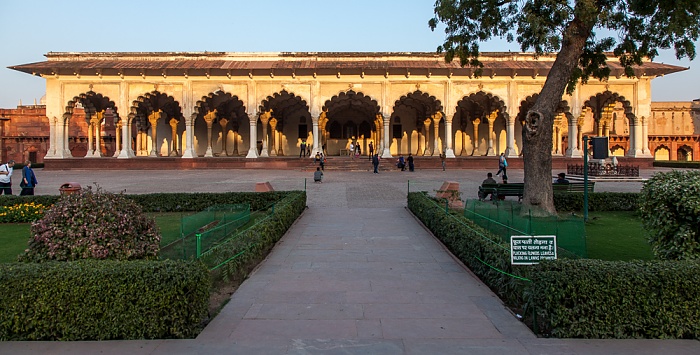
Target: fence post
x,y
304,184
199,244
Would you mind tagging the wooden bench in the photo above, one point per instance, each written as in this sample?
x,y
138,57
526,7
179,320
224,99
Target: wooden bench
x,y
573,187
500,191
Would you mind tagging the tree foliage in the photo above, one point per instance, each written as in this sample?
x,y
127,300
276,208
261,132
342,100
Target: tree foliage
x,y
642,27
632,29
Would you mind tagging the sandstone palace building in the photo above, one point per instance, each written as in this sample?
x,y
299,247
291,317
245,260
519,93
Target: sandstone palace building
x,y
260,105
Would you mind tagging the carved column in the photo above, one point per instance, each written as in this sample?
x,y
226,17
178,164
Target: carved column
x,y
265,119
322,122
573,151
426,128
317,139
235,138
209,119
118,144
90,131
510,138
436,129
476,122
645,138
189,136
224,136
98,134
65,135
153,120
386,147
253,149
273,129
449,150
51,150
174,141
491,119
556,133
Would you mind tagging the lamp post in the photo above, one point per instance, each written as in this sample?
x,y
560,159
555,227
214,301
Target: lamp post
x,y
585,178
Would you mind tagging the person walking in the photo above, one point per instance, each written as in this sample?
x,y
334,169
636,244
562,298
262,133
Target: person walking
x,y
411,167
371,150
351,151
502,165
6,177
442,159
28,180
322,162
375,163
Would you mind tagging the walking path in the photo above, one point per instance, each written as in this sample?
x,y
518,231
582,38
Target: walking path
x,y
356,274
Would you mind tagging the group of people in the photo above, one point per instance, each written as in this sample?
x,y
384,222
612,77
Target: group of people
x,y
304,149
401,162
27,184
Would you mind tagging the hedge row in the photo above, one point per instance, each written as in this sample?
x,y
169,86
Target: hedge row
x,y
473,245
172,202
677,164
606,299
576,298
597,201
100,300
253,244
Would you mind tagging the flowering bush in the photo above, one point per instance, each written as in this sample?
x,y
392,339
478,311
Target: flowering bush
x,y
22,213
93,225
670,208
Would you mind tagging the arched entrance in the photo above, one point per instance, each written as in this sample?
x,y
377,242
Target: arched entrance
x,y
101,121
352,118
481,117
156,121
414,117
287,116
220,117
611,115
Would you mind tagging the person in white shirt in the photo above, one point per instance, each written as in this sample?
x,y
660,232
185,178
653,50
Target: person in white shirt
x,y
6,177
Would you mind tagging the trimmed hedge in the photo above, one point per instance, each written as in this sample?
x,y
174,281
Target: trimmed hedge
x,y
576,297
604,299
252,245
469,243
100,300
597,201
677,164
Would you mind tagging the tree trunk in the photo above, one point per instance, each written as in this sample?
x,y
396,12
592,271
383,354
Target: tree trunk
x,y
538,198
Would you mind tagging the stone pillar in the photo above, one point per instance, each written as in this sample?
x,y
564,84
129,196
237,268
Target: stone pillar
x,y
449,144
253,149
224,136
139,144
491,119
436,129
51,151
556,134
65,133
153,120
510,138
90,130
273,129
316,137
426,128
174,141
235,139
118,144
573,151
386,149
98,134
265,119
476,122
189,152
209,119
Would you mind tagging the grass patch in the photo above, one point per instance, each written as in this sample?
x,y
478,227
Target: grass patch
x,y
616,235
13,241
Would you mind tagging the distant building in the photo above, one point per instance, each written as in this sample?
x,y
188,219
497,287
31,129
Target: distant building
x,y
256,105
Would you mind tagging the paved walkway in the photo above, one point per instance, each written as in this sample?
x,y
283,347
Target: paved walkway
x,y
357,274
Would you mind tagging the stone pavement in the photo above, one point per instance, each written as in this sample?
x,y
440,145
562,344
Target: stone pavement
x,y
356,274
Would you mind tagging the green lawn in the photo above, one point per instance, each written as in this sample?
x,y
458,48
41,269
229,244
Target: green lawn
x,y
616,236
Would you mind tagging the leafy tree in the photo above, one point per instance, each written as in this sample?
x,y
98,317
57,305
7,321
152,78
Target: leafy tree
x,y
567,27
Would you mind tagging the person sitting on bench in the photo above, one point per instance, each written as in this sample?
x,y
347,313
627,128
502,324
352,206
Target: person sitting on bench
x,y
489,180
561,179
318,175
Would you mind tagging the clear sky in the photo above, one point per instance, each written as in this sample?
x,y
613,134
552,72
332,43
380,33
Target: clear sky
x,y
31,28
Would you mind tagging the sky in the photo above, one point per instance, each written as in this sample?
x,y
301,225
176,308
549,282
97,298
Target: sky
x,y
30,28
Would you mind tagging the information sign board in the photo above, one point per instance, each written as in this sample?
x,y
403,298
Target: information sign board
x,y
528,249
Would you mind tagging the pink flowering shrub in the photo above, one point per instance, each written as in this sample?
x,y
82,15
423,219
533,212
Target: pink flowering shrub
x,y
93,225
